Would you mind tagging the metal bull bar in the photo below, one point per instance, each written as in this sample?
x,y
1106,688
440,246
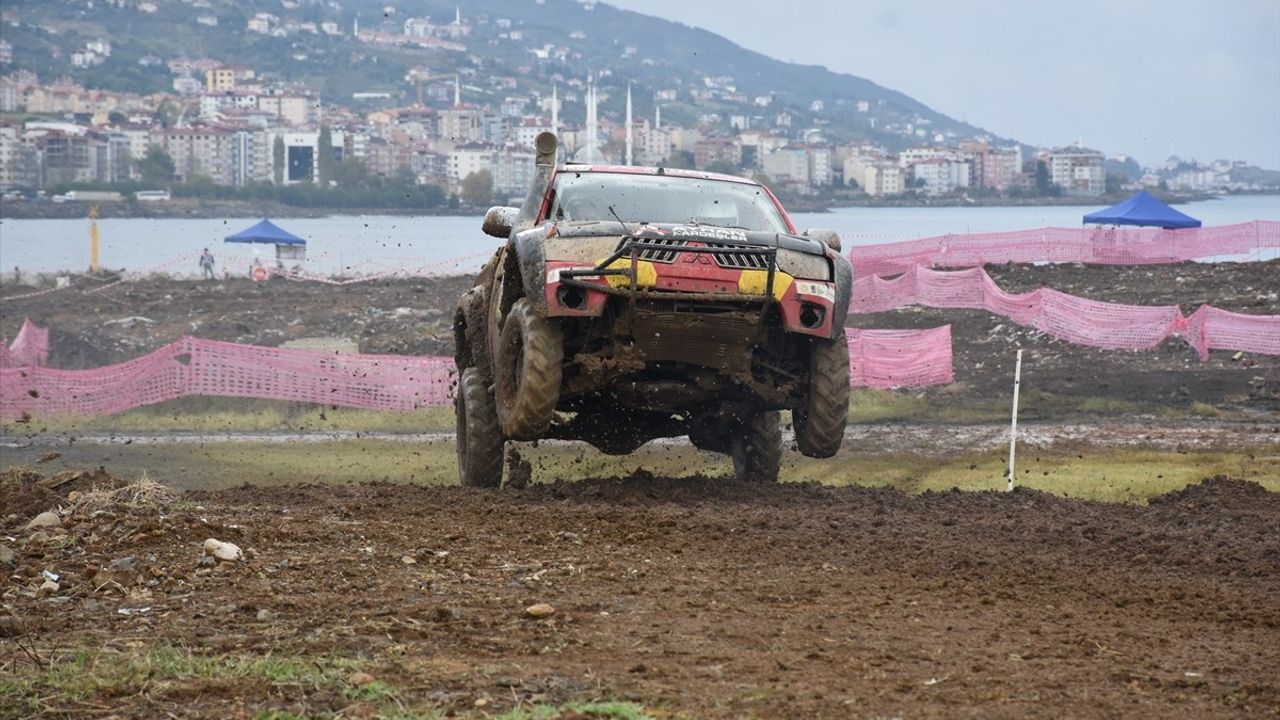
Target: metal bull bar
x,y
632,247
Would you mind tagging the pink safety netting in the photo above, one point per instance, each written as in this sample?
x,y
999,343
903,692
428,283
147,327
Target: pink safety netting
x,y
1070,318
899,358
30,348
878,358
1093,245
207,367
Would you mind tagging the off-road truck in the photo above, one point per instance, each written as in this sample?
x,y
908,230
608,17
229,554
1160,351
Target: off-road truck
x,y
632,303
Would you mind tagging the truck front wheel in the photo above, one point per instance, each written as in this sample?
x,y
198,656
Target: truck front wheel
x,y
527,371
479,438
820,419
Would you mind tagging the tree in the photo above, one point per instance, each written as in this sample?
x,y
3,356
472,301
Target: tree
x,y
277,160
477,188
1113,183
156,167
723,167
324,156
169,113
351,174
682,159
1042,178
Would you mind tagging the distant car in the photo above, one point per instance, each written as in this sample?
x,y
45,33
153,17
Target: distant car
x,y
634,303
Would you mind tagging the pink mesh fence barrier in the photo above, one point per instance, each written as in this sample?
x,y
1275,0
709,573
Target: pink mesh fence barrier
x,y
30,348
899,358
878,358
207,367
1070,318
1094,245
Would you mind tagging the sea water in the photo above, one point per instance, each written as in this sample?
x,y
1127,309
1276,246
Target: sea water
x,y
361,244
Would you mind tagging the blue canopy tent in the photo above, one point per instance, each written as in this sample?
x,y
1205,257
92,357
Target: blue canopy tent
x,y
1142,210
288,245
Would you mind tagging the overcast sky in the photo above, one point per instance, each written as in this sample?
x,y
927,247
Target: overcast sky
x,y
1124,76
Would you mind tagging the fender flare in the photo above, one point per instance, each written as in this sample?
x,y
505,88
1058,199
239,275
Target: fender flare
x,y
842,274
531,258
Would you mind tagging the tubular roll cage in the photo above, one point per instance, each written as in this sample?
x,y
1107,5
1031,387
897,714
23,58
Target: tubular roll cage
x,y
632,246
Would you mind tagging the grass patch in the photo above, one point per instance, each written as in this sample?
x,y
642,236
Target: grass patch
x,y
1109,475
866,406
85,675
873,406
229,415
133,681
1204,410
869,406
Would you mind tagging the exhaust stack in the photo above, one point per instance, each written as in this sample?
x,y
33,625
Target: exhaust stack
x,y
546,145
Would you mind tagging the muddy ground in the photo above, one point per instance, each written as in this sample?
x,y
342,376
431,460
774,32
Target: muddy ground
x,y
414,316
692,598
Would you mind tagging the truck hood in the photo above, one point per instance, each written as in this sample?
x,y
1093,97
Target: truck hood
x,y
692,231
592,242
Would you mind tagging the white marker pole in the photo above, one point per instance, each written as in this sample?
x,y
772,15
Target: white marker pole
x,y
1013,425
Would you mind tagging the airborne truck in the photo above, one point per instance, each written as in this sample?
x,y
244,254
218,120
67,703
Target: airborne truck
x,y
631,303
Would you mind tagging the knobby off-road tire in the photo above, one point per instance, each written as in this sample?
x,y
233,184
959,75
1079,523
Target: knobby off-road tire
x,y
527,372
820,420
479,437
756,448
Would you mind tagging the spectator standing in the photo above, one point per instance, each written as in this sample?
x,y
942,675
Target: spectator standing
x,y
206,264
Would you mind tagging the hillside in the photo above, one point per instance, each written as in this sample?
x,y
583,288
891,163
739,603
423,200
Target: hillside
x,y
707,74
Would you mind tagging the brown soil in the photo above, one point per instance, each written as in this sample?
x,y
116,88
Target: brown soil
x,y
26,493
415,316
701,597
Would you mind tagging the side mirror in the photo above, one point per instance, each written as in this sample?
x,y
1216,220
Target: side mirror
x,y
499,220
830,238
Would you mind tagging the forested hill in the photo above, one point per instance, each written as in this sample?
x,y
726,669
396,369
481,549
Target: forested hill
x,y
709,74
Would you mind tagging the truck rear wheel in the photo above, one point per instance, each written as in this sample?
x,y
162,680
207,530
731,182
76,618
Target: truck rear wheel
x,y
820,419
756,448
479,437
527,372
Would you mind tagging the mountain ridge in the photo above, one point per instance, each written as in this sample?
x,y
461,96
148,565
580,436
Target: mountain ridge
x,y
666,55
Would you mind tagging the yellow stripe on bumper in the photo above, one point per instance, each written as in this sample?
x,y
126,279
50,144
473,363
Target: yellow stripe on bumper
x,y
755,282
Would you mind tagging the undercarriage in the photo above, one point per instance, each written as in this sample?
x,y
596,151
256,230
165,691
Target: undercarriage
x,y
669,368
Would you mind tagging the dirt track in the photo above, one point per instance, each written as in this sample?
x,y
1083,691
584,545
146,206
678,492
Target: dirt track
x,y
698,597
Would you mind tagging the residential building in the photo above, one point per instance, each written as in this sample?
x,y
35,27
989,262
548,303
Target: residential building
x,y
463,124
939,176
883,178
820,162
19,164
788,166
1078,171
717,150
200,151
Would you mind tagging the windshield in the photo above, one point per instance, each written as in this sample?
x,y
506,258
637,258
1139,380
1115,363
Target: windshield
x,y
588,196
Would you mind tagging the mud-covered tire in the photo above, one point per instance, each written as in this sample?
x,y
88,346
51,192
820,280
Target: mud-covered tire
x,y
756,448
527,372
819,421
479,438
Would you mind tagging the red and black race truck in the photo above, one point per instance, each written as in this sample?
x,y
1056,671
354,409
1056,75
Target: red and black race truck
x,y
633,303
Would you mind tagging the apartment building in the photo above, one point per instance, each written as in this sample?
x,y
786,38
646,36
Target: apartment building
x,y
1078,171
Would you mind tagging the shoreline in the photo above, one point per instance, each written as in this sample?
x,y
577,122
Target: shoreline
x,y
206,209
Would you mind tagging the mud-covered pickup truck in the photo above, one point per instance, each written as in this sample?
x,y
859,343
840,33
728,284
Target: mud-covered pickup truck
x,y
633,303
